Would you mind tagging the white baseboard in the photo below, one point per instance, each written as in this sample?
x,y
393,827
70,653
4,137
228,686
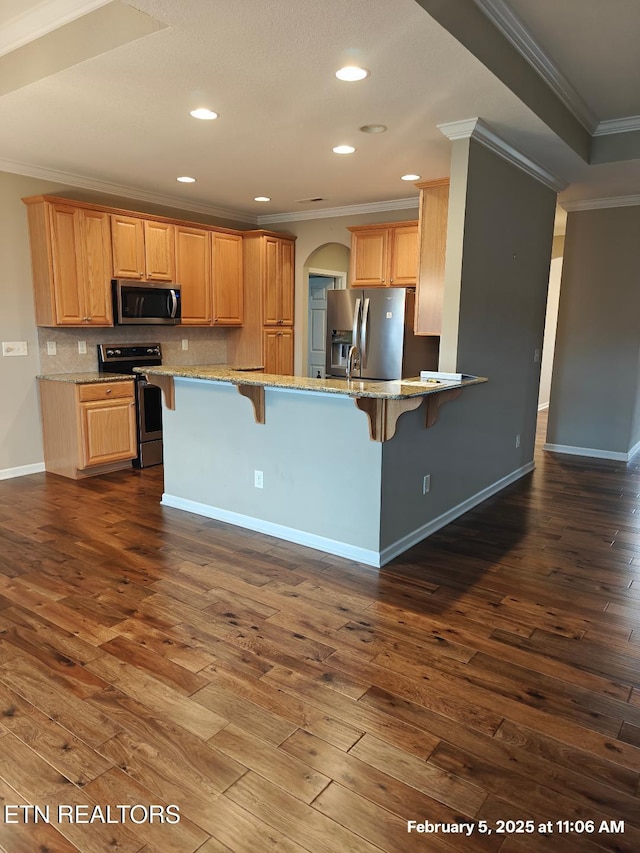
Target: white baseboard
x,y
420,533
21,471
280,531
592,452
343,549
634,450
543,406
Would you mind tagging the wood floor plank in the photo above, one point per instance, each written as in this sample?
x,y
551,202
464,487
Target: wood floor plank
x,y
299,821
276,765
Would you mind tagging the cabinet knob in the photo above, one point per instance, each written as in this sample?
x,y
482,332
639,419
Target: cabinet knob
x,y
109,390
392,280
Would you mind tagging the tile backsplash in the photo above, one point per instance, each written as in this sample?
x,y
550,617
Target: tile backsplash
x,y
206,346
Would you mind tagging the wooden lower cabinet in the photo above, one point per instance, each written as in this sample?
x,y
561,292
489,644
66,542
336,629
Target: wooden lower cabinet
x,y
278,351
88,429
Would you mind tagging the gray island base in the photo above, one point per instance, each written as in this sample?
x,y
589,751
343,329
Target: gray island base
x,y
335,466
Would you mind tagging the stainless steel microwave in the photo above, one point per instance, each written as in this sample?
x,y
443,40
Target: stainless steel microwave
x,y
141,303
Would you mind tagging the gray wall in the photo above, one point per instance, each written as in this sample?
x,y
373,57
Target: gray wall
x,y
20,432
506,251
594,392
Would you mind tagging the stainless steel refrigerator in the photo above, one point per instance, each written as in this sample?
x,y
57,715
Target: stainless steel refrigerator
x,y
372,329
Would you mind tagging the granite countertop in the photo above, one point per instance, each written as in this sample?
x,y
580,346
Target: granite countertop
x,y
87,378
393,390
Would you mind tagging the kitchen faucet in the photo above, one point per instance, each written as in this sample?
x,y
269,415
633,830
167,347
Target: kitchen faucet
x,y
353,360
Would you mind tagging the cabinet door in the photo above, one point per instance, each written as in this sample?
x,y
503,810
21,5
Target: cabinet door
x,y
159,250
271,297
228,282
404,256
369,258
286,282
193,272
107,432
64,223
278,351
96,262
127,244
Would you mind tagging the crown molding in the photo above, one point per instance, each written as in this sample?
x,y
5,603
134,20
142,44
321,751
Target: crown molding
x,y
72,180
347,210
600,203
475,128
42,19
514,30
617,125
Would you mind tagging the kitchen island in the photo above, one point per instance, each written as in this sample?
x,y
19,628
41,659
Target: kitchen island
x,y
341,466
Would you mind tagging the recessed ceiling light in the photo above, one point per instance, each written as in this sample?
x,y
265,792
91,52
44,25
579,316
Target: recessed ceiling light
x,y
351,73
185,179
204,113
343,149
262,198
373,128
410,178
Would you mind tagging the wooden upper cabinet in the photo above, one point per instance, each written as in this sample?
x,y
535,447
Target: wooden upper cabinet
x,y
94,232
193,273
159,250
277,282
228,281
142,248
434,208
71,264
384,255
403,266
127,242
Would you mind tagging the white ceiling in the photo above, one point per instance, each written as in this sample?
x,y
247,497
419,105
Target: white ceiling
x,y
120,120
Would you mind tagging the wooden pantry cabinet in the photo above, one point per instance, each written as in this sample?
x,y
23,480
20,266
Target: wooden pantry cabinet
x,y
434,209
269,305
71,264
143,248
384,255
88,428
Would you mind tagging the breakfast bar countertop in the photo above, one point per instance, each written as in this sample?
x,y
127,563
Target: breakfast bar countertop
x,y
390,390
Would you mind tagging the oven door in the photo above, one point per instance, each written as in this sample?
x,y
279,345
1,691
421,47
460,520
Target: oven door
x,y
149,411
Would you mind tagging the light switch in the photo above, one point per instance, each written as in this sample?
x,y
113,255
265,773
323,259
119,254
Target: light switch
x,y
51,348
82,347
14,348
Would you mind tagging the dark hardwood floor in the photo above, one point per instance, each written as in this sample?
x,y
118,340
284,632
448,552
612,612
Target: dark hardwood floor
x,y
287,700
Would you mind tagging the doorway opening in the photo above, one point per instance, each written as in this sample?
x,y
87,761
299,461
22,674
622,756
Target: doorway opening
x,y
320,281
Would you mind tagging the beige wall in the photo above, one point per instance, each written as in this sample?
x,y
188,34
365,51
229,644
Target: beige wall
x,y
20,434
594,390
551,322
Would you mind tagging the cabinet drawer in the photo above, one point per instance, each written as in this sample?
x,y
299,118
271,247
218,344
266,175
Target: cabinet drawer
x,y
105,391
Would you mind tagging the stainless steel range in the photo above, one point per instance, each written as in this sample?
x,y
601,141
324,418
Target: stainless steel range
x,y
122,358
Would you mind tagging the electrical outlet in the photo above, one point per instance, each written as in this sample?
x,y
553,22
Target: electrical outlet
x,y
14,348
518,440
536,355
426,484
51,348
185,343
82,347
258,479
